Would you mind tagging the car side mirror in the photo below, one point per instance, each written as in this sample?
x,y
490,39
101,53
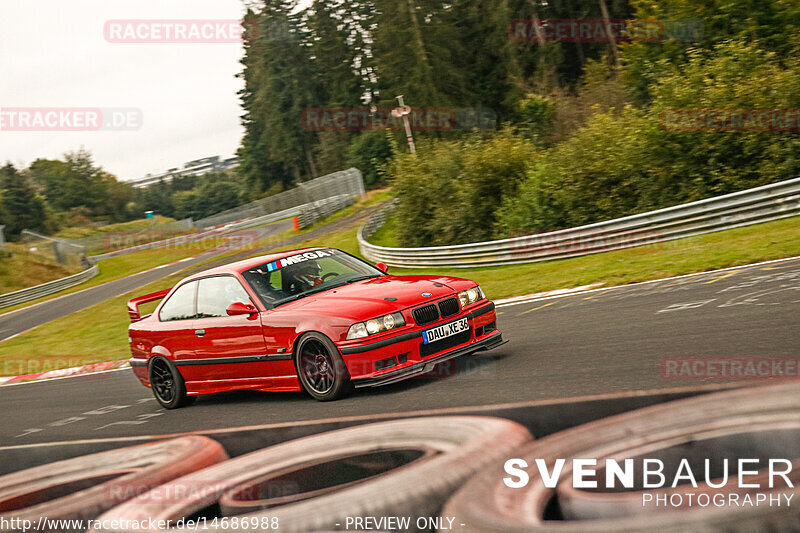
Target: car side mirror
x,y
240,308
382,267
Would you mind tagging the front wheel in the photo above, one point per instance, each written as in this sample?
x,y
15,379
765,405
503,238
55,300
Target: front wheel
x,y
167,384
320,368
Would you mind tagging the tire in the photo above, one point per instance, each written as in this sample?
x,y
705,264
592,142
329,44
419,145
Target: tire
x,y
443,451
487,505
320,369
167,384
84,487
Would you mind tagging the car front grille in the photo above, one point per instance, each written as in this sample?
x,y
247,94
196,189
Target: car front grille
x,y
448,342
449,307
425,314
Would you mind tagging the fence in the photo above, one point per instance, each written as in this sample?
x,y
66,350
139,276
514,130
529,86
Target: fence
x,y
45,289
310,201
752,206
61,251
130,238
314,211
346,182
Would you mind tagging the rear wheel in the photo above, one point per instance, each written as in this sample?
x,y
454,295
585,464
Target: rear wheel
x,y
320,368
167,384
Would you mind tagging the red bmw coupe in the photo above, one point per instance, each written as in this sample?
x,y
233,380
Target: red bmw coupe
x,y
316,319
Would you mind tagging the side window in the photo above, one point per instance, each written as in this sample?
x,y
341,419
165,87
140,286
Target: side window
x,y
217,293
180,305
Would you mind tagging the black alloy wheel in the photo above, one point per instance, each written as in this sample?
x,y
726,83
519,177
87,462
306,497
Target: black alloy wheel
x,y
320,368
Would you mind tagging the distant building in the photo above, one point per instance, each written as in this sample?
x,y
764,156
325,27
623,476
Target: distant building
x,y
198,167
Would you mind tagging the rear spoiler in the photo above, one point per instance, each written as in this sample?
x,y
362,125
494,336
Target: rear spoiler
x,y
133,305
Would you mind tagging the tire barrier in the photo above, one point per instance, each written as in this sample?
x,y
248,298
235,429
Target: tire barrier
x,y
394,468
85,487
439,467
753,422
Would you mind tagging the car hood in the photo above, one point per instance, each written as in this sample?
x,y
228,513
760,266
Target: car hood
x,y
379,296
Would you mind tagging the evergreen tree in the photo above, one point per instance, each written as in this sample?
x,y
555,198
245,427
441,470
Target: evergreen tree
x,y
280,82
22,207
333,56
416,49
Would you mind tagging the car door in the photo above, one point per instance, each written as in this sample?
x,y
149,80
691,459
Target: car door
x,y
227,347
174,330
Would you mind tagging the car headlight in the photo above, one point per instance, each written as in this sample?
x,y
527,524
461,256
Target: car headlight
x,y
372,326
470,296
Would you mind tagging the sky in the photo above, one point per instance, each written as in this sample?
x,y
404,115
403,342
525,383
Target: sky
x,y
54,54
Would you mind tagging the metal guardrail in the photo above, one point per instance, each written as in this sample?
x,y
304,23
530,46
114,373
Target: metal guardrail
x,y
46,289
751,206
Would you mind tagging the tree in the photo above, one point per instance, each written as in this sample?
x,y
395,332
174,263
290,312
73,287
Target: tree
x,y
333,56
280,82
22,207
416,48
368,152
76,182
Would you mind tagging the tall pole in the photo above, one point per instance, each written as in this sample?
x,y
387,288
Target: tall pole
x,y
407,125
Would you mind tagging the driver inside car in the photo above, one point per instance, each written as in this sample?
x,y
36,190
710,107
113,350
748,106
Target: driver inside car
x,y
301,277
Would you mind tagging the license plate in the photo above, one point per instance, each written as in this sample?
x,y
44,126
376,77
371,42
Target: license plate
x,y
445,330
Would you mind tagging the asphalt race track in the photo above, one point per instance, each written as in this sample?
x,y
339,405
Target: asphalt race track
x,y
28,317
598,342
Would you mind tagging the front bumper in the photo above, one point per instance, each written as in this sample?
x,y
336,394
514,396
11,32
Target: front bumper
x,y
427,365
403,355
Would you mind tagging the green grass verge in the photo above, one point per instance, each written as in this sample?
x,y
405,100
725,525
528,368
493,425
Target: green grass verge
x,y
99,333
369,199
19,273
20,269
386,234
125,265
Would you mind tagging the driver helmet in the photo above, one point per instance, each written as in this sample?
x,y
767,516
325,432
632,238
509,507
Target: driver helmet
x,y
305,275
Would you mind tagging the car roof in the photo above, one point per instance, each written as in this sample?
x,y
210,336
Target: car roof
x,y
246,264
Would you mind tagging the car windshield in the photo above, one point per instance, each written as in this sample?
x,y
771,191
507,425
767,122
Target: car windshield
x,y
300,275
